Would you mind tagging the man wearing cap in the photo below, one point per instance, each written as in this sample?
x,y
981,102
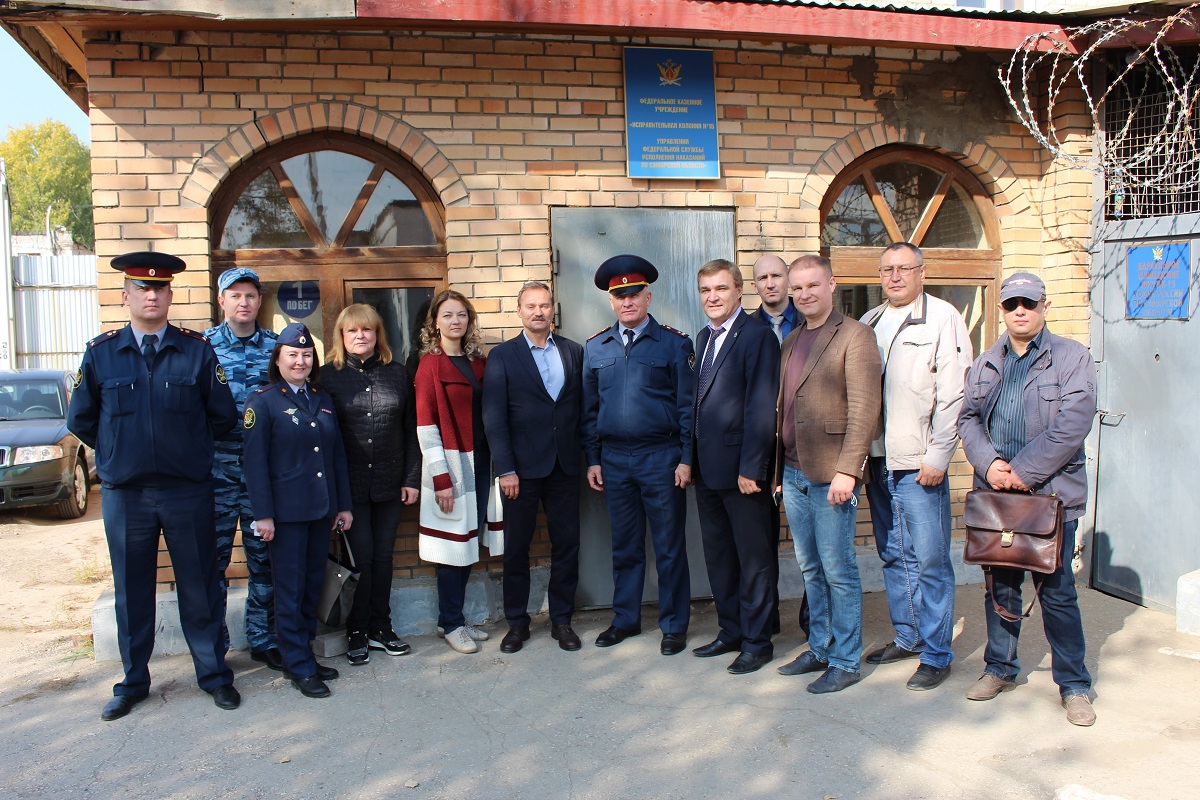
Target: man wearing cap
x,y
151,398
244,349
926,350
1029,405
637,436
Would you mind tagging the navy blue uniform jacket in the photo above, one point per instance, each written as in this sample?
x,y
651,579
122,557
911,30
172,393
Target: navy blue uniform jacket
x,y
526,430
639,402
295,464
735,434
151,426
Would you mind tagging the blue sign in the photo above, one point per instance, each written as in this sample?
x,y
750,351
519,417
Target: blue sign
x,y
299,299
671,114
1158,280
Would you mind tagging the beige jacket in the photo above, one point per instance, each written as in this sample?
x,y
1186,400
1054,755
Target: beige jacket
x,y
923,384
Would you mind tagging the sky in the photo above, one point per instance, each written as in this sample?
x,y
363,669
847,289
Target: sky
x,y
27,94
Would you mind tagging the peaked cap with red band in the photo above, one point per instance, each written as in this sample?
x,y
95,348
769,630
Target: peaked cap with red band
x,y
622,275
149,269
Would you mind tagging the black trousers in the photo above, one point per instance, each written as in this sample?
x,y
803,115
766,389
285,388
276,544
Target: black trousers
x,y
558,493
372,539
741,554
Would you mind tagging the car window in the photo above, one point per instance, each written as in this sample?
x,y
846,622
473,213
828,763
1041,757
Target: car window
x,y
32,400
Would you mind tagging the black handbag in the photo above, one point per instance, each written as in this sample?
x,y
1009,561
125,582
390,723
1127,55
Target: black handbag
x,y
341,581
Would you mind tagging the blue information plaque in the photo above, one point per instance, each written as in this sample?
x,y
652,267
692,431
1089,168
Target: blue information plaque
x,y
299,299
671,114
1158,280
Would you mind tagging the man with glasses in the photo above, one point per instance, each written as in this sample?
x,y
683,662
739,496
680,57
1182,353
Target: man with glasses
x,y
1029,405
925,349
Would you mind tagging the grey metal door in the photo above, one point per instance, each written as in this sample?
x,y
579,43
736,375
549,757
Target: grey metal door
x,y
678,243
1146,498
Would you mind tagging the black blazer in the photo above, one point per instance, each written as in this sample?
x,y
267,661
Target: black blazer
x,y
526,430
735,432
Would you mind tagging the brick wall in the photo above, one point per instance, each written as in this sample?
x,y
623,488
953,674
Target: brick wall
x,y
505,127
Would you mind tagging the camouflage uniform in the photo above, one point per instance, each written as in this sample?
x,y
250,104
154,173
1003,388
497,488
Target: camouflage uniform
x,y
245,368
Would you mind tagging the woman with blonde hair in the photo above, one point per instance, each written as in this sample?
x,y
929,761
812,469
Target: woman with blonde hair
x,y
378,418
456,468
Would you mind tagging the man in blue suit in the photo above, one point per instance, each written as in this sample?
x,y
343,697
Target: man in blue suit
x,y
532,400
737,385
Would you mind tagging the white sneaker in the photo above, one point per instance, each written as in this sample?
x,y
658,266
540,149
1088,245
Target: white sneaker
x,y
460,641
478,634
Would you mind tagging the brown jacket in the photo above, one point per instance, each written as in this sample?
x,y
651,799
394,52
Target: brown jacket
x,y
837,401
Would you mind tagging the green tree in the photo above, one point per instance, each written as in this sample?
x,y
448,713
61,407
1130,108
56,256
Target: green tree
x,y
47,165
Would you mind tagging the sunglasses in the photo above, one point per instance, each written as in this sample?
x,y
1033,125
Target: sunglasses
x,y
1024,302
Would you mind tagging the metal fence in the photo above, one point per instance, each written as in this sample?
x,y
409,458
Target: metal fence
x,y
56,310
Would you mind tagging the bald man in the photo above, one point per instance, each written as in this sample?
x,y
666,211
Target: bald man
x,y
771,283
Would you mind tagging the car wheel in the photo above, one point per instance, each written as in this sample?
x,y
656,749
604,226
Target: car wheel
x,y
75,504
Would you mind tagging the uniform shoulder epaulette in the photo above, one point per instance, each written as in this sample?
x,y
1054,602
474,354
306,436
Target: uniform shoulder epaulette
x,y
673,330
193,334
266,387
601,333
107,336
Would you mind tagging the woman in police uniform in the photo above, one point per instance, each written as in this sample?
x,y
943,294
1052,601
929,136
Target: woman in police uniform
x,y
295,468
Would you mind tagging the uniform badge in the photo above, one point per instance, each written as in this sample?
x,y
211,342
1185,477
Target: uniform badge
x,y
248,418
692,361
291,412
221,375
77,379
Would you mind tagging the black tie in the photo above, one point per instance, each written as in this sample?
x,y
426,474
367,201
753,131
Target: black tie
x,y
706,369
628,340
148,348
307,398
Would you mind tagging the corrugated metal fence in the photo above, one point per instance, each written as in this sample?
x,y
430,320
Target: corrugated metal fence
x,y
56,310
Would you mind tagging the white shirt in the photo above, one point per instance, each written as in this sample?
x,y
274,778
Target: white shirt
x,y
720,342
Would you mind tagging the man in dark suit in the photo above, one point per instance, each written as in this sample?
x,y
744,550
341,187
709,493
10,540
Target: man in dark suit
x,y
532,390
737,386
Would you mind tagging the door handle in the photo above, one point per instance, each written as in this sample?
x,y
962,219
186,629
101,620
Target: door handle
x,y
1111,419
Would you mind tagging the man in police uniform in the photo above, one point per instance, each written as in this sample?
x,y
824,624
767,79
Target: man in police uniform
x,y
637,434
244,349
150,398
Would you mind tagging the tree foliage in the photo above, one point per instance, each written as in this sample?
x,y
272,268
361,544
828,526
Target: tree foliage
x,y
47,165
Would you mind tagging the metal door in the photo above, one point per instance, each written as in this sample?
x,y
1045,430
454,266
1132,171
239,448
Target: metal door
x,y
678,243
1146,497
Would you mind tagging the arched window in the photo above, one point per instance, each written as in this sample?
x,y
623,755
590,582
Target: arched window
x,y
331,219
905,194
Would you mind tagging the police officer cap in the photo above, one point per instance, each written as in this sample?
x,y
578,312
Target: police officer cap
x,y
149,269
231,276
622,275
296,335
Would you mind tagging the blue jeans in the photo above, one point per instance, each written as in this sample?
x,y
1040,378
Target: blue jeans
x,y
1060,619
912,534
823,537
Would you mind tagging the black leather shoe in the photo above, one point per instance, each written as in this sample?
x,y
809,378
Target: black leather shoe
x,y
834,680
673,643
716,648
890,654
312,686
226,697
804,663
614,635
566,637
271,657
928,677
517,636
750,662
326,673
119,706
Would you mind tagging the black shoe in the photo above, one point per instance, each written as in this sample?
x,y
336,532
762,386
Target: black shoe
x,y
928,677
614,635
358,652
566,637
226,697
834,680
513,640
271,657
750,662
673,643
119,706
716,647
890,654
388,642
312,686
804,663
323,672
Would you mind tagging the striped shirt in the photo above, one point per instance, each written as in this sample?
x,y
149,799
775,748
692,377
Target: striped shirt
x,y
1006,424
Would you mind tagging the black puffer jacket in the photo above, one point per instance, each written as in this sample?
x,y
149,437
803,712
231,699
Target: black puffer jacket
x,y
378,415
